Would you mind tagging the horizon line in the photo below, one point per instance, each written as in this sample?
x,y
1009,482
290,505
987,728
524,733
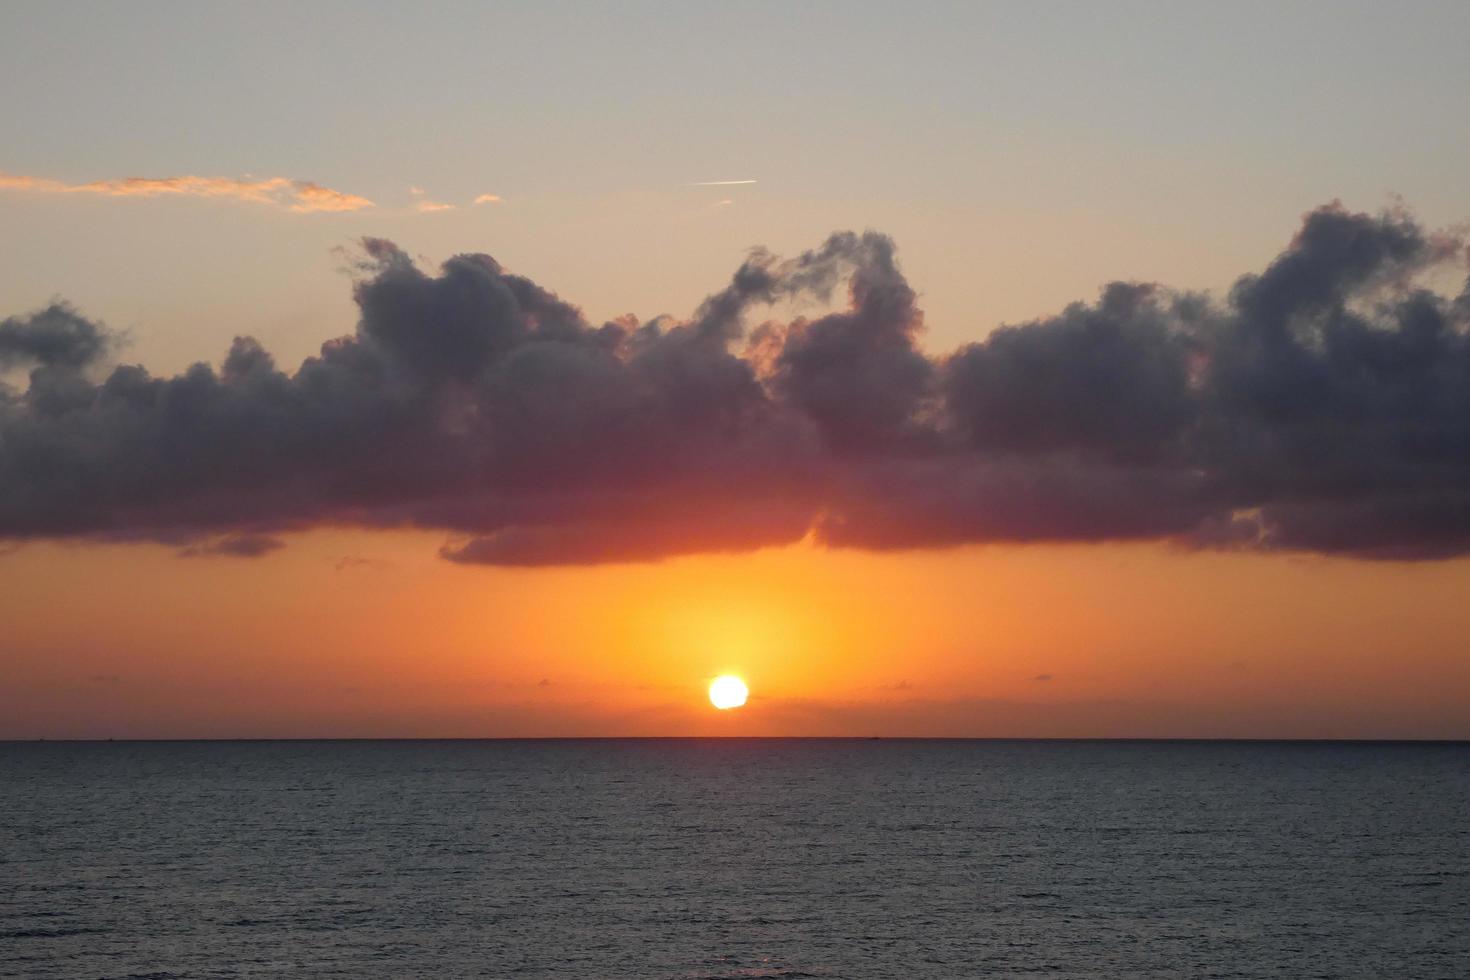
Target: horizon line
x,y
1139,739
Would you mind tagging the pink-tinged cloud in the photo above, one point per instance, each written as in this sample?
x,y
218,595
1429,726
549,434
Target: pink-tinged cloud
x,y
428,207
488,199
300,196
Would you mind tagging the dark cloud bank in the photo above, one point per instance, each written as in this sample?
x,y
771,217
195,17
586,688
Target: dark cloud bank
x,y
1323,405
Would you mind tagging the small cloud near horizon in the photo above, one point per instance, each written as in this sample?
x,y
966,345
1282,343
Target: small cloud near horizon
x,y
488,199
357,561
235,546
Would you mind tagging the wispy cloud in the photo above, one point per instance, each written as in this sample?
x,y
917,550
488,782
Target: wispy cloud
x,y
300,196
720,183
314,197
241,545
427,207
488,199
356,561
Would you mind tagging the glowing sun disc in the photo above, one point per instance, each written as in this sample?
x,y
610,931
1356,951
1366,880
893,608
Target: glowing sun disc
x,y
727,691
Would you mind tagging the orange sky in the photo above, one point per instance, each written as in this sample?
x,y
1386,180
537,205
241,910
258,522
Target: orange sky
x,y
184,186
349,634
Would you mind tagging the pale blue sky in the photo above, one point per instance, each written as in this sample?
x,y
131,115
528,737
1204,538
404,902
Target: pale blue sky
x,y
1021,154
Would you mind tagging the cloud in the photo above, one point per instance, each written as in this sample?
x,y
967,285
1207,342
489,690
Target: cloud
x,y
55,336
720,183
488,199
240,545
300,196
357,561
426,207
1321,405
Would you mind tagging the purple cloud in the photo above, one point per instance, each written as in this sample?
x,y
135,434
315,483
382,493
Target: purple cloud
x,y
1322,405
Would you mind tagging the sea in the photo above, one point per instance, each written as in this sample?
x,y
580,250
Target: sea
x,y
701,859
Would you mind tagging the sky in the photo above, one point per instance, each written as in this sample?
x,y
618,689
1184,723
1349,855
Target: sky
x,y
951,370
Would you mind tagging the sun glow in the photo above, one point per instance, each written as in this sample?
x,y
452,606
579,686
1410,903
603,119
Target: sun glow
x,y
727,691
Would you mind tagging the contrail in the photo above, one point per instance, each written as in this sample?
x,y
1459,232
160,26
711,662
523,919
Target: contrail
x,y
718,183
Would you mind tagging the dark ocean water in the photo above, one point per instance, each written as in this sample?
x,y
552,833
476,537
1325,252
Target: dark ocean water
x,y
742,859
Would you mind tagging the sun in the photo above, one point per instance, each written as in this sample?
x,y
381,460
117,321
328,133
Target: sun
x,y
727,691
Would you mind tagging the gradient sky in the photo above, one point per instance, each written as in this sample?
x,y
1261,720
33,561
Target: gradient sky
x,y
1020,156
